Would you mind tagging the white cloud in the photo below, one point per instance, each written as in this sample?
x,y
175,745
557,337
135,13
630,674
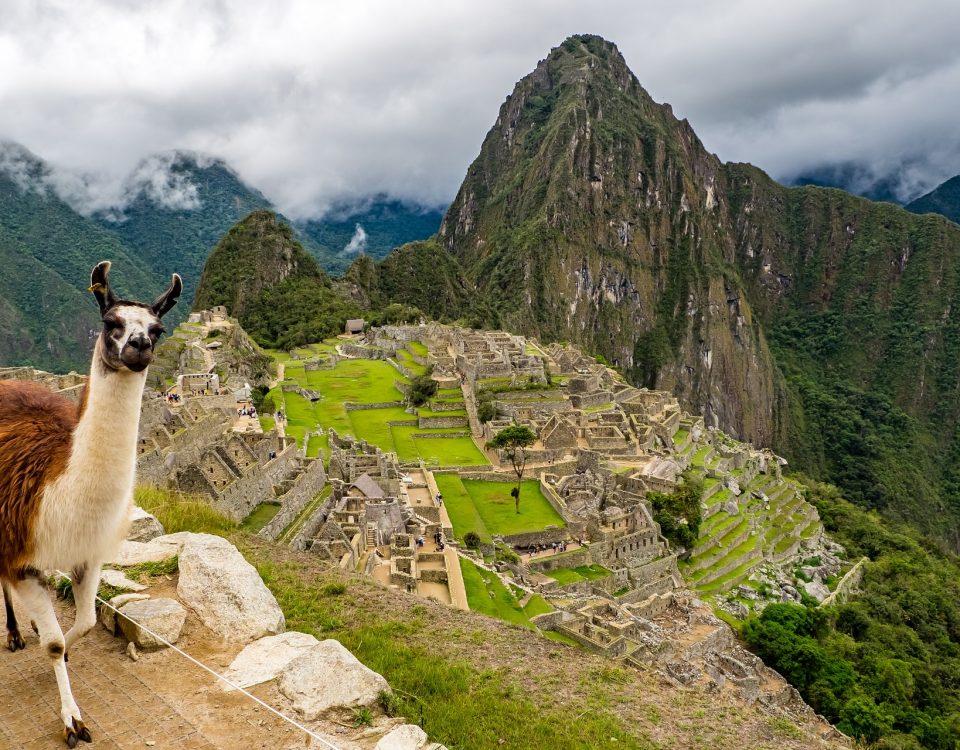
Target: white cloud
x,y
357,243
316,103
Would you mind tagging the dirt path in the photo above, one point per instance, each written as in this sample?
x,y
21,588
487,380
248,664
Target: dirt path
x,y
161,701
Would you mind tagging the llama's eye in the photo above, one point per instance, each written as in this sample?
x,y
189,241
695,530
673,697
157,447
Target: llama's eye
x,y
157,331
110,325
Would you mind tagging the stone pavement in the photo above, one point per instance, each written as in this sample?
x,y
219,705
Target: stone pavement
x,y
162,701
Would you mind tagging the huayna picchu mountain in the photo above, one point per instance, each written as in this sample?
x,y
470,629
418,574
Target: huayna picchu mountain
x,y
809,319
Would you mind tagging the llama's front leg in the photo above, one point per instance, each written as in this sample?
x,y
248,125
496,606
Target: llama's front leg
x,y
86,581
34,597
15,641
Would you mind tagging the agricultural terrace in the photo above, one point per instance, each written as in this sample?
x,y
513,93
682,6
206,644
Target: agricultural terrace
x,y
487,508
365,381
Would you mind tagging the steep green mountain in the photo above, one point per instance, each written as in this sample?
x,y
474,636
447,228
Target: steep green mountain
x,y
807,319
277,291
418,274
47,317
374,227
180,205
944,199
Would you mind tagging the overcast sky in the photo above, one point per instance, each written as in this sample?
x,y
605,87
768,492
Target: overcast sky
x,y
314,101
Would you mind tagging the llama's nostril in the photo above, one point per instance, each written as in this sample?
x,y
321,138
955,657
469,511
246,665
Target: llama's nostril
x,y
140,343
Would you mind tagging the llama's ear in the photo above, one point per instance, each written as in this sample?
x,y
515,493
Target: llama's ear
x,y
162,304
100,286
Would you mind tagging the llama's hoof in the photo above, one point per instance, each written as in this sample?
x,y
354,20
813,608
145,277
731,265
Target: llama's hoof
x,y
15,641
77,733
34,626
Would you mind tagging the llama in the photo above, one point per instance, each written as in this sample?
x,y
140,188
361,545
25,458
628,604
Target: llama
x,y
67,475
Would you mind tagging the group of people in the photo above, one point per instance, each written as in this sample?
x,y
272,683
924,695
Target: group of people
x,y
437,540
247,411
173,398
554,547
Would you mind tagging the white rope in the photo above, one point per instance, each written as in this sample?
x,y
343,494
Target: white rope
x,y
187,656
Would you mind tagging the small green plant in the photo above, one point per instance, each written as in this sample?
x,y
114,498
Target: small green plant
x,y
388,702
362,717
334,588
472,540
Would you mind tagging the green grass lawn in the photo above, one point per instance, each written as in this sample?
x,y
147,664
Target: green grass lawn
x,y
260,517
580,573
417,348
488,509
406,360
414,444
423,412
497,600
267,423
366,382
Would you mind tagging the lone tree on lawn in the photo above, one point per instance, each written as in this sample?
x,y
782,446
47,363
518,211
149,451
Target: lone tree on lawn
x,y
515,439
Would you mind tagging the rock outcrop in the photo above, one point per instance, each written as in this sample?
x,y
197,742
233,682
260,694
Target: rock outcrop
x,y
226,591
266,658
152,623
309,682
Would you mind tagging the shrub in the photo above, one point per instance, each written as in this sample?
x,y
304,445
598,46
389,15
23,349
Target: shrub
x,y
472,540
422,389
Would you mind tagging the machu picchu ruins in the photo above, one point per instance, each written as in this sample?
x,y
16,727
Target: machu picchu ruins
x,y
413,497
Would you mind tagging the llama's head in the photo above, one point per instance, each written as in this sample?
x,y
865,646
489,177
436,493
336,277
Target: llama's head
x,y
130,329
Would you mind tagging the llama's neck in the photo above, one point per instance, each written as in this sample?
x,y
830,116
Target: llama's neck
x,y
105,438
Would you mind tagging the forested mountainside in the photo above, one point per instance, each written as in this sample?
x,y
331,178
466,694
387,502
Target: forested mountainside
x,y
277,291
175,207
370,228
808,319
178,210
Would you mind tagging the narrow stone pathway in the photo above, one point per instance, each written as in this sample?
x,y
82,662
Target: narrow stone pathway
x,y
161,701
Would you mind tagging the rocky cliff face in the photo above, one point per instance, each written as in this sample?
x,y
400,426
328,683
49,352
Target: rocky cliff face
x,y
593,214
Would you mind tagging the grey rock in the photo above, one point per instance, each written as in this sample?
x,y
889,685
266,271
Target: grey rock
x,y
118,580
108,618
134,553
264,659
164,617
226,591
404,737
327,678
143,526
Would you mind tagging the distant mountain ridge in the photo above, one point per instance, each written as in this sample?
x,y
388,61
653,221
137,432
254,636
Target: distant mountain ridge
x,y
943,200
173,209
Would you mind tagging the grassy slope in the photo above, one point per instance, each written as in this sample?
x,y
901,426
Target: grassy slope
x,y
480,684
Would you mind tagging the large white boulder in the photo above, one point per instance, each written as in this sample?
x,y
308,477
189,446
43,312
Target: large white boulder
x,y
152,623
263,660
327,678
143,526
225,590
404,737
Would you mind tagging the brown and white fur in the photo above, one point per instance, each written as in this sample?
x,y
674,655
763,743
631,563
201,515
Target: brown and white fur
x,y
67,475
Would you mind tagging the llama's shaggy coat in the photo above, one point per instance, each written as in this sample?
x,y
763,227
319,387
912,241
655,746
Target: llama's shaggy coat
x,y
36,436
